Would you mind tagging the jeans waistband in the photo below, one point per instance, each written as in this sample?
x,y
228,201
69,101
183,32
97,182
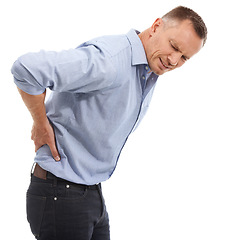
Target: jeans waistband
x,y
58,180
46,176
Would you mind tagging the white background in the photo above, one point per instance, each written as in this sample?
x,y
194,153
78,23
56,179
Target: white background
x,y
178,176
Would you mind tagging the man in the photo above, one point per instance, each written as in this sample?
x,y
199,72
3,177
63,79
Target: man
x,y
100,92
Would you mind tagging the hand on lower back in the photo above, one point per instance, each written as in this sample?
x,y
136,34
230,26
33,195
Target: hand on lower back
x,y
43,134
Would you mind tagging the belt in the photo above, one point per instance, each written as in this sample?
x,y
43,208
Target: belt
x,y
43,174
39,172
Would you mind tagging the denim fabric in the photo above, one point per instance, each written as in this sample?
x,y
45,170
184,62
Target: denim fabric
x,y
61,210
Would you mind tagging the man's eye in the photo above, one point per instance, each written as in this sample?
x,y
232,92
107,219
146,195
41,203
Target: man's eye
x,y
174,47
184,58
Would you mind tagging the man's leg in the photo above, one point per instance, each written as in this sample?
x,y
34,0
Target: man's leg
x,y
101,229
60,210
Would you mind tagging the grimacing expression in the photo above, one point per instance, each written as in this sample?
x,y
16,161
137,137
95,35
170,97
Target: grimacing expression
x,y
170,45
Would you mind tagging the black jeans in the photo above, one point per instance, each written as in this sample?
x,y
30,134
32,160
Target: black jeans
x,y
61,210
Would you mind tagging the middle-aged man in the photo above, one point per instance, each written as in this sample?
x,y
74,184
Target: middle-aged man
x,y
100,92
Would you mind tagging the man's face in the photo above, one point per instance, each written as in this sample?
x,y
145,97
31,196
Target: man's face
x,y
170,45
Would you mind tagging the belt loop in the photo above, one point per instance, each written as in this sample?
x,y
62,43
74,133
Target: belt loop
x,y
54,181
55,188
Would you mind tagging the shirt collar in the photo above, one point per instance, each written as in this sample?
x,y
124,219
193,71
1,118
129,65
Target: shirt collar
x,y
138,52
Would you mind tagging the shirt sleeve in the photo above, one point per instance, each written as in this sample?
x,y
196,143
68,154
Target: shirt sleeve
x,y
84,69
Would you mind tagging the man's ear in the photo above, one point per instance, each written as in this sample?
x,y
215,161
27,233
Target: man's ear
x,y
158,22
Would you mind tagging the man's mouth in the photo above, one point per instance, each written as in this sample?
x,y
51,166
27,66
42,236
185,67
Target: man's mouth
x,y
163,65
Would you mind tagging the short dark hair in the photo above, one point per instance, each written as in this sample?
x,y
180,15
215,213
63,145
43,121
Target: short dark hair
x,y
183,13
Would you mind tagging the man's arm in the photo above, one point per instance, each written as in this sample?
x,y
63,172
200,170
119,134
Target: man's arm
x,y
42,131
82,70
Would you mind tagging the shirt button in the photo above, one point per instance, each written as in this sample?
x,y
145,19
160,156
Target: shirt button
x,y
146,67
67,186
55,199
143,77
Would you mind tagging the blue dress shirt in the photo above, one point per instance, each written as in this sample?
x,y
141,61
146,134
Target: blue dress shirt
x,y
100,92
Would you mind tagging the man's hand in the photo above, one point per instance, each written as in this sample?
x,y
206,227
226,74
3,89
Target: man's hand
x,y
43,134
42,131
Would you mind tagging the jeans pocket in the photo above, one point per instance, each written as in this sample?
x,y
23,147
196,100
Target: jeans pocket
x,y
35,211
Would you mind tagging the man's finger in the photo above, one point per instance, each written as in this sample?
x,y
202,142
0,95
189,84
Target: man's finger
x,y
54,152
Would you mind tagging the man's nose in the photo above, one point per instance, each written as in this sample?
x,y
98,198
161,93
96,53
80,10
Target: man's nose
x,y
174,58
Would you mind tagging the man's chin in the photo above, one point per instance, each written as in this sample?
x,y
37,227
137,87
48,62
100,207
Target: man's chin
x,y
159,71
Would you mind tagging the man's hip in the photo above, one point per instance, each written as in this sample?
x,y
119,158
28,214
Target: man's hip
x,y
59,209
